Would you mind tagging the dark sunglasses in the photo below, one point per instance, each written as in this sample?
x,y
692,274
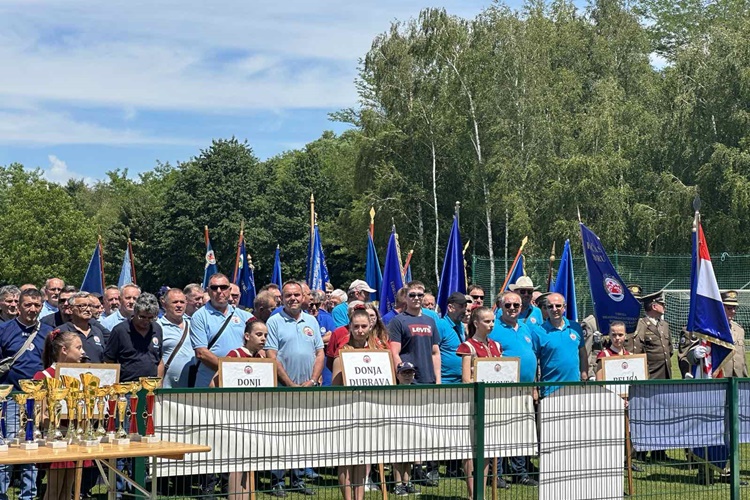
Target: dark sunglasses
x,y
554,306
512,305
314,304
219,287
416,295
524,292
477,297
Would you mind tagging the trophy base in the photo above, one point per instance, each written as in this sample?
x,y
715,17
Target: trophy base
x,y
56,445
30,445
120,441
3,447
88,443
134,436
107,438
14,442
149,439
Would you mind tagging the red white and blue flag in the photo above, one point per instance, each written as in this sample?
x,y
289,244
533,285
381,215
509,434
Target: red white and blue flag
x,y
707,318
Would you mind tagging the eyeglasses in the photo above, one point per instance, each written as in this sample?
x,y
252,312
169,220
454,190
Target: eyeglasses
x,y
234,295
145,318
82,306
54,289
512,305
524,292
554,306
416,295
477,297
315,304
219,287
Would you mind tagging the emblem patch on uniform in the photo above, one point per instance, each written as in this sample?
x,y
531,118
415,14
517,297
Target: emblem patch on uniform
x,y
31,347
155,341
614,288
528,340
248,370
308,331
322,330
683,340
573,336
235,320
533,320
96,339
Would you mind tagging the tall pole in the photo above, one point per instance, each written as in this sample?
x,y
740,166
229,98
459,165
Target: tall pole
x,y
518,256
312,216
132,261
101,258
237,257
456,211
372,223
551,262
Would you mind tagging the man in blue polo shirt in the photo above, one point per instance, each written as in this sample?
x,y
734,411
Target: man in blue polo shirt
x,y
560,347
452,334
52,289
295,343
206,325
13,336
358,290
516,339
530,314
128,295
175,329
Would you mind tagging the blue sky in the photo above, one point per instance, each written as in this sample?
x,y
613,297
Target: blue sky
x,y
91,86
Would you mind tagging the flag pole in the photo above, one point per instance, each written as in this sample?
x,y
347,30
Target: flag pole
x,y
101,257
237,258
515,261
132,261
372,223
312,216
408,261
551,262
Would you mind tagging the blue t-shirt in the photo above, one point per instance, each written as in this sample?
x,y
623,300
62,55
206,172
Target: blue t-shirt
x,y
113,320
417,335
432,314
451,336
340,314
387,317
296,342
177,374
325,320
557,351
47,309
205,324
517,343
13,334
532,316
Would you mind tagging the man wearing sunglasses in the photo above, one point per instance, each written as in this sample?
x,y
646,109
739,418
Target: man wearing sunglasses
x,y
560,347
516,338
477,295
218,318
530,314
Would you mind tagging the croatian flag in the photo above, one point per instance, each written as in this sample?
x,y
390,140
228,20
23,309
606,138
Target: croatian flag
x,y
706,315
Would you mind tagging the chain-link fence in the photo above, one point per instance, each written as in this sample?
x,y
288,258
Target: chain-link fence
x,y
652,272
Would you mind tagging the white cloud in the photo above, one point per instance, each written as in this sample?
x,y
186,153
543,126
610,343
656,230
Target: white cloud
x,y
58,172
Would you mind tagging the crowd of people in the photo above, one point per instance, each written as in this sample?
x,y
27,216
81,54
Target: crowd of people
x,y
181,334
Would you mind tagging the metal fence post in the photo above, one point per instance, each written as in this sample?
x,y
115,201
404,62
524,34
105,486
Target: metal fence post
x,y
733,425
139,464
479,441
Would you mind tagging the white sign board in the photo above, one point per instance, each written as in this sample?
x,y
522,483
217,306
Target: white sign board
x,y
497,370
247,372
367,367
108,373
624,368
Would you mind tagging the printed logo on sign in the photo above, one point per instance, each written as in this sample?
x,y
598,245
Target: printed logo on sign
x,y
497,367
210,258
248,370
624,365
614,288
367,359
308,331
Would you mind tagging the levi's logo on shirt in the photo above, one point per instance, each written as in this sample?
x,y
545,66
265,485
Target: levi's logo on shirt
x,y
420,330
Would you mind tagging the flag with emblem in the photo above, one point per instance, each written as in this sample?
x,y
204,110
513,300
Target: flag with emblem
x,y
706,317
612,300
243,274
210,266
93,281
452,277
392,278
565,283
317,271
276,275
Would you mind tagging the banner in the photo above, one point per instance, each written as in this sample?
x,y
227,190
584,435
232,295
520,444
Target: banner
x,y
612,299
276,276
93,281
392,279
453,276
317,271
565,283
244,277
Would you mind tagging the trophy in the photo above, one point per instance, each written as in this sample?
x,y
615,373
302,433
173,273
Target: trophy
x,y
133,430
23,420
55,396
4,391
101,400
121,437
32,388
111,414
70,402
150,383
89,389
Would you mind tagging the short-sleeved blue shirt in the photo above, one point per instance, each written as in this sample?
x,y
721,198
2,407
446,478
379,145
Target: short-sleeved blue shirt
x,y
417,335
451,336
532,316
387,317
557,351
517,343
296,342
113,320
432,314
340,314
205,324
13,334
177,373
47,309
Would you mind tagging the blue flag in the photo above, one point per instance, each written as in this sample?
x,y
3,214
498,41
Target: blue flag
x,y
565,283
276,276
245,279
453,276
407,274
612,299
373,274
317,271
126,275
392,280
93,282
706,315
517,271
210,266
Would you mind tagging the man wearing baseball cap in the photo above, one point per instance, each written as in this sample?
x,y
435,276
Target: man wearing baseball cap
x,y
358,290
530,314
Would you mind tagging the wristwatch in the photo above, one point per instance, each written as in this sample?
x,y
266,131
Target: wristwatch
x,y
314,383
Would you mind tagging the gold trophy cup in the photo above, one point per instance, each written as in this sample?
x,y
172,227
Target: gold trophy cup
x,y
55,397
133,430
150,383
4,391
23,420
101,401
89,389
121,437
33,390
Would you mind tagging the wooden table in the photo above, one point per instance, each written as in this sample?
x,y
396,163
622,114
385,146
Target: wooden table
x,y
104,456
